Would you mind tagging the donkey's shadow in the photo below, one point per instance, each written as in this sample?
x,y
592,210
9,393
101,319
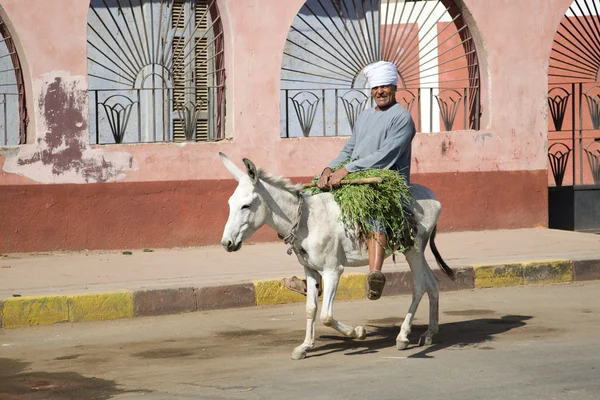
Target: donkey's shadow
x,y
458,334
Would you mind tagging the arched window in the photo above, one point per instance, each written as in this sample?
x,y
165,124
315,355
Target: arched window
x,y
13,113
156,71
331,41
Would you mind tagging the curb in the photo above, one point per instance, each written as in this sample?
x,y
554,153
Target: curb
x,y
22,312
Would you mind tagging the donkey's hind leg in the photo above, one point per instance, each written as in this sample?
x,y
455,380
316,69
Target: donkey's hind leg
x,y
312,294
331,278
432,285
424,281
415,261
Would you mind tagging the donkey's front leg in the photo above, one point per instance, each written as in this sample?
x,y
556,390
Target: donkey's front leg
x,y
312,294
331,279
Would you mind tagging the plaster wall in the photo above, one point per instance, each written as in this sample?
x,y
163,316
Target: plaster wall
x,y
513,37
514,42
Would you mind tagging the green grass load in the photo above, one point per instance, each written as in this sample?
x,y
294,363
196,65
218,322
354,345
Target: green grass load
x,y
386,202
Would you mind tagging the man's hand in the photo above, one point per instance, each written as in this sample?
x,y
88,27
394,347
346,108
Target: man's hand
x,y
336,178
323,182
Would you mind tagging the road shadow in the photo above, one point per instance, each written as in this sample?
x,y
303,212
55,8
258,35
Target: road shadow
x,y
454,334
15,383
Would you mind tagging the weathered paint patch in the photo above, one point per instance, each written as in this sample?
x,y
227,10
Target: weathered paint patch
x,y
269,292
62,153
555,271
465,279
498,275
228,296
101,307
352,287
586,270
525,273
448,148
482,137
164,301
397,283
31,311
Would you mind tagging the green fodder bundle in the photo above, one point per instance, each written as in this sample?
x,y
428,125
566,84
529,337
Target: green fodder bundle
x,y
387,202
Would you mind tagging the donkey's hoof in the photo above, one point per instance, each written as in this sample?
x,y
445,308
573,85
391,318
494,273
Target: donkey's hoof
x,y
360,333
425,341
401,344
299,353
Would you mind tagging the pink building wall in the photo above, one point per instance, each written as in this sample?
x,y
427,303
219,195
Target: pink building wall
x,y
487,179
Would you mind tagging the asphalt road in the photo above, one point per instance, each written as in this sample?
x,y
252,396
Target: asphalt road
x,y
526,343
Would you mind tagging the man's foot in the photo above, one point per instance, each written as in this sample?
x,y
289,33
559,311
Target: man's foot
x,y
375,284
298,285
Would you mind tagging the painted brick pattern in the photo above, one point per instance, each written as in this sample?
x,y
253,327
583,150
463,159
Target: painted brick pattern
x,y
32,311
548,272
164,301
100,307
397,283
465,279
586,270
499,275
232,296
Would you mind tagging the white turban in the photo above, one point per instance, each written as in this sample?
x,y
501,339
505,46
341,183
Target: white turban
x,y
381,73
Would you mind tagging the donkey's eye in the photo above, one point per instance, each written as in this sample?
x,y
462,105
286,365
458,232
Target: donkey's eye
x,y
245,206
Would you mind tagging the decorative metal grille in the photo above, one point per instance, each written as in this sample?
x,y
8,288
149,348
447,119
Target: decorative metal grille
x,y
155,70
331,41
576,49
592,151
558,156
574,97
13,112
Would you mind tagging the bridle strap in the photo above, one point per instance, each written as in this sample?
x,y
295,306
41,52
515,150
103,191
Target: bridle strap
x,y
291,237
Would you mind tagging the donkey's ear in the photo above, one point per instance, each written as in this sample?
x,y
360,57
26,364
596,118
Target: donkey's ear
x,y
231,167
251,170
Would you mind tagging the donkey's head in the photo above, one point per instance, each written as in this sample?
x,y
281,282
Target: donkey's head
x,y
247,210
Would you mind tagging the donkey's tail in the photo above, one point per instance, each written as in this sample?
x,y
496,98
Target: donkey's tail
x,y
439,258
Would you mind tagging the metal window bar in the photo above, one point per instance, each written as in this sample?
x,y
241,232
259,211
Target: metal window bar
x,y
335,117
580,131
573,130
5,118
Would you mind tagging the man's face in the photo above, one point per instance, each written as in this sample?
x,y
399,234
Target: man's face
x,y
384,95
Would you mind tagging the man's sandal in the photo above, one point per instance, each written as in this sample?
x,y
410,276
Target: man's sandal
x,y
298,285
375,285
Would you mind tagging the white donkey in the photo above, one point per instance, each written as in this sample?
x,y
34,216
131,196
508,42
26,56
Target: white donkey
x,y
311,225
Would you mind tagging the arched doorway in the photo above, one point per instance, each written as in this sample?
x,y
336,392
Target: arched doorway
x,y
331,41
156,71
574,120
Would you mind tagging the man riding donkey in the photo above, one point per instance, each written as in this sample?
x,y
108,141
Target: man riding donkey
x,y
381,139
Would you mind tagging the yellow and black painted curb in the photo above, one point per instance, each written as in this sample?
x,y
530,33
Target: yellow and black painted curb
x,y
19,312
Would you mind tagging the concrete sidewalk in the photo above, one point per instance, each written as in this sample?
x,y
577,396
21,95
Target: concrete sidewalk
x,y
87,286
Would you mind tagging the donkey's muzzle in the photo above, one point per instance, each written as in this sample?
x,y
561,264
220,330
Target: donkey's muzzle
x,y
230,246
